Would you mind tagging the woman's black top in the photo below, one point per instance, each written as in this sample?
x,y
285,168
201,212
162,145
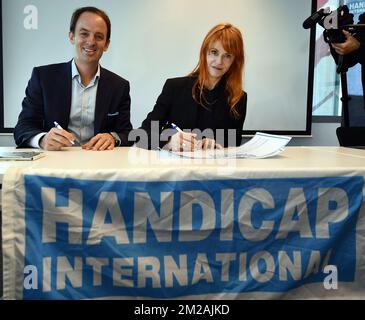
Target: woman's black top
x,y
177,105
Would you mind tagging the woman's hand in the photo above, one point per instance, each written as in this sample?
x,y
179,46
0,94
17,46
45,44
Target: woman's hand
x,y
182,141
209,144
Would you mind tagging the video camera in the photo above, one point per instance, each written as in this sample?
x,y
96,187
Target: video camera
x,y
334,22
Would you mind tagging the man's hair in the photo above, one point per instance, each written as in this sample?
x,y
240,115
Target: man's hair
x,y
78,12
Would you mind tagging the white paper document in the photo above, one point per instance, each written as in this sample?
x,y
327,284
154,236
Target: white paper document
x,y
262,145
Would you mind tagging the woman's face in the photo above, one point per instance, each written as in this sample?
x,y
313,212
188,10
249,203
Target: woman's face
x,y
218,61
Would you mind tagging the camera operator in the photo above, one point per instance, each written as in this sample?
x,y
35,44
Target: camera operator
x,y
352,52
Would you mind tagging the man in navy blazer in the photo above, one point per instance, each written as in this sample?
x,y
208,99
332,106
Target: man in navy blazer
x,y
77,101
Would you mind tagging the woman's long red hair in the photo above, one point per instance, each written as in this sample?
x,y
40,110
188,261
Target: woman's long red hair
x,y
232,42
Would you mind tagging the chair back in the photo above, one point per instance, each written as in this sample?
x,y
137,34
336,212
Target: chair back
x,y
351,136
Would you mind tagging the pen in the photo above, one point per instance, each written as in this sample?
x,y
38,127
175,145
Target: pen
x,y
59,127
174,126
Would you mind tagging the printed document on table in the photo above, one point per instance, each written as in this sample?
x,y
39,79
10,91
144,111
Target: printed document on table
x,y
262,145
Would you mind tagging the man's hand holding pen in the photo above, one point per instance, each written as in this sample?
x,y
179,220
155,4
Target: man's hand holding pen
x,y
57,138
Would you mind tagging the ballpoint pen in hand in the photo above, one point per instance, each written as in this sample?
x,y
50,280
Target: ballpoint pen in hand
x,y
59,127
174,126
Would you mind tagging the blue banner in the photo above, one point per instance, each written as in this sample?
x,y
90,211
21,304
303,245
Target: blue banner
x,y
166,239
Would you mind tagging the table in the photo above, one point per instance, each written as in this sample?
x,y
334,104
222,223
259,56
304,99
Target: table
x,y
137,223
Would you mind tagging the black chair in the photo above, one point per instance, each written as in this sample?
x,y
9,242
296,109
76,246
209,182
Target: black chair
x,y
351,136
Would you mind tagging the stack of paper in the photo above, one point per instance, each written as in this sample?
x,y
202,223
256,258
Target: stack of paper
x,y
21,155
262,145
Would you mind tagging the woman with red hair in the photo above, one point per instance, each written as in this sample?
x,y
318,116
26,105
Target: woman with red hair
x,y
209,104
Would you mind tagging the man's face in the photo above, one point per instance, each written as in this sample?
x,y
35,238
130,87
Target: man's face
x,y
90,38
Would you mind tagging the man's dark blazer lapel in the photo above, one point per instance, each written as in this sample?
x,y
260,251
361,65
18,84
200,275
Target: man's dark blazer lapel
x,y
102,100
63,112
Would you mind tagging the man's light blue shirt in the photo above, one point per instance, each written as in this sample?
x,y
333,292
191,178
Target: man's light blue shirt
x,y
82,113
83,102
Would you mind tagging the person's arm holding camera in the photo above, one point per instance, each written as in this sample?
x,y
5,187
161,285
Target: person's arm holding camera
x,y
352,51
349,46
346,54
